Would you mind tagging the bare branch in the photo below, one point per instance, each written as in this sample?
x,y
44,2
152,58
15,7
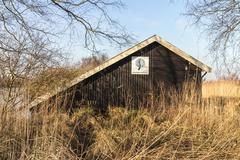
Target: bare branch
x,y
221,21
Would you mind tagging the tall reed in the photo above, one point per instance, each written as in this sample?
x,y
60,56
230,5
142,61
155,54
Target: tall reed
x,y
182,129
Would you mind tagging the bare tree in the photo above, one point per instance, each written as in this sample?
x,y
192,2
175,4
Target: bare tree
x,y
53,17
92,61
30,29
221,21
20,65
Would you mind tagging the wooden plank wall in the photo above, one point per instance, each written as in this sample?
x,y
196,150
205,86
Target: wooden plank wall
x,y
117,86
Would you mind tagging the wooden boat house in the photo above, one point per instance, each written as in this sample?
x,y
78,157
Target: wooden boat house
x,y
132,75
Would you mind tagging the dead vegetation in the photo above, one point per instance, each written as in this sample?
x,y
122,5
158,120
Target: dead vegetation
x,y
183,129
221,88
52,78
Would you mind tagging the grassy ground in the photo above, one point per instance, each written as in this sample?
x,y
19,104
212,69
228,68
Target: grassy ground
x,y
181,130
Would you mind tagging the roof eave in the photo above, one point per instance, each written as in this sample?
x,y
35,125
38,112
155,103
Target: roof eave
x,y
181,53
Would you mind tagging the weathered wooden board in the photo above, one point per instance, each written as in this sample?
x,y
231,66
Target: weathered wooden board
x,y
112,83
115,85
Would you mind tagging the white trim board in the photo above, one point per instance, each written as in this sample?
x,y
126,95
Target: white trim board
x,y
122,55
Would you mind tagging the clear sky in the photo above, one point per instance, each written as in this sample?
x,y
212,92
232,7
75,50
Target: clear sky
x,y
146,18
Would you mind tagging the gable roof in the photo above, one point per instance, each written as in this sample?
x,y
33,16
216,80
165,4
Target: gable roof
x,y
122,55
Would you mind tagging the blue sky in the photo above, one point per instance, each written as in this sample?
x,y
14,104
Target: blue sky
x,y
146,18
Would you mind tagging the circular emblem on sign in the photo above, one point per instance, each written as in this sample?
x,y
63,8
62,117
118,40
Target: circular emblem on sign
x,y
140,63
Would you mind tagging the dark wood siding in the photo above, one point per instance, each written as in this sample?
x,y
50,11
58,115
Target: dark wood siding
x,y
115,85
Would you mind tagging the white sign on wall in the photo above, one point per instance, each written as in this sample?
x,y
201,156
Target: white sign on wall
x,y
140,65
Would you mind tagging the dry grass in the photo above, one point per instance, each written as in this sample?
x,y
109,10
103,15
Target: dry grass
x,y
181,130
51,79
221,88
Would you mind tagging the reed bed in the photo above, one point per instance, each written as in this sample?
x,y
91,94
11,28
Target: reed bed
x,y
183,129
221,88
